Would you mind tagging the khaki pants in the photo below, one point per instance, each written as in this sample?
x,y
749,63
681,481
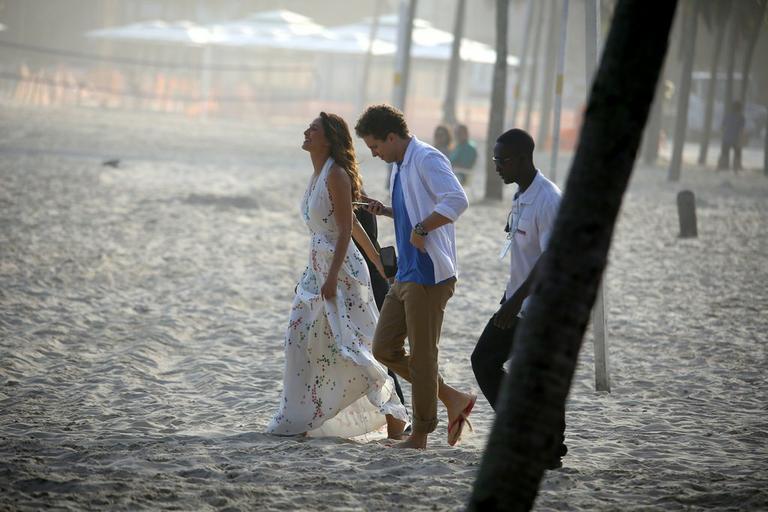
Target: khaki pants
x,y
414,311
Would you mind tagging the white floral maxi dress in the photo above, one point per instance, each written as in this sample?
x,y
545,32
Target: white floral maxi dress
x,y
332,385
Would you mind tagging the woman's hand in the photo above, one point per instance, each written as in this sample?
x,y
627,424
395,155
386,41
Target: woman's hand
x,y
380,268
328,290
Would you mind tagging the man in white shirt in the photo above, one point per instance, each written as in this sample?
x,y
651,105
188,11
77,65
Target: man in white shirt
x,y
426,200
529,226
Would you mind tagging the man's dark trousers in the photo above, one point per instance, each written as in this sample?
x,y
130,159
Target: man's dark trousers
x,y
491,352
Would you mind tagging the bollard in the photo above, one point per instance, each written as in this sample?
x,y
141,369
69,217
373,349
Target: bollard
x,y
686,210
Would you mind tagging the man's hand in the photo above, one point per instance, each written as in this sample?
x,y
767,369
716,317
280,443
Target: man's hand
x,y
505,316
417,241
376,207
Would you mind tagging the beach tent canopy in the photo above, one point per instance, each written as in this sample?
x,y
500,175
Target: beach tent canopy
x,y
288,30
158,31
278,29
281,29
428,42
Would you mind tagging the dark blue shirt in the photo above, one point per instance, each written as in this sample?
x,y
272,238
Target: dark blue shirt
x,y
412,264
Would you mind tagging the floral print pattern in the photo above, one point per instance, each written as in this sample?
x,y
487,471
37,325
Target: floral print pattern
x,y
332,385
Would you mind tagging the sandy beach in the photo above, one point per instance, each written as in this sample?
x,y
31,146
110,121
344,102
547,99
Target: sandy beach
x,y
142,311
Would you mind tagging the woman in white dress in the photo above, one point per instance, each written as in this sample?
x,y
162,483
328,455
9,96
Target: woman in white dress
x,y
332,385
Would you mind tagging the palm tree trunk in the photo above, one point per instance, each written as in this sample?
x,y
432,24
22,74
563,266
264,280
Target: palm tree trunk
x,y
706,133
403,58
522,63
681,121
765,149
493,188
652,135
759,14
372,35
732,46
559,91
547,90
534,66
547,342
449,107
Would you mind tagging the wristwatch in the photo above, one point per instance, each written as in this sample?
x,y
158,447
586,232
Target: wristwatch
x,y
419,229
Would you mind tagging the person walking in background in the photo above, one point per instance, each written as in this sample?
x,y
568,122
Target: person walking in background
x,y
426,200
464,154
733,132
529,226
332,384
442,139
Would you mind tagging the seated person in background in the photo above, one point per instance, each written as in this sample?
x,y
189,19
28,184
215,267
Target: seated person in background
x,y
442,139
464,154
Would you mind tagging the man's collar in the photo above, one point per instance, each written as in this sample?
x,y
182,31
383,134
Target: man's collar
x,y
532,191
409,150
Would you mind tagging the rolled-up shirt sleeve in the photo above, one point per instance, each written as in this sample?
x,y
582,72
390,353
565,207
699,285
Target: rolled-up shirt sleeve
x,y
449,197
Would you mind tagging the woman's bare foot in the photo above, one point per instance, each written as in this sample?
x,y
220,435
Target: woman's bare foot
x,y
395,428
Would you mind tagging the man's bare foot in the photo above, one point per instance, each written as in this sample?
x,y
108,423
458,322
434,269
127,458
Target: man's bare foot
x,y
414,442
395,428
455,402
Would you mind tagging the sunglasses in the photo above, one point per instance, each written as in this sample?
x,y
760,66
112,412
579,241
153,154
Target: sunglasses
x,y
501,161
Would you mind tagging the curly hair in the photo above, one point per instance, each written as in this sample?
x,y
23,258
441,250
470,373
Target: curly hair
x,y
342,150
381,120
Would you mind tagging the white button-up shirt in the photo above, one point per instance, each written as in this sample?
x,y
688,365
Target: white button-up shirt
x,y
429,185
530,225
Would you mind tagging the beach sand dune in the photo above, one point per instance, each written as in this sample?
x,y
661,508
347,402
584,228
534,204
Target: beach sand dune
x,y
142,310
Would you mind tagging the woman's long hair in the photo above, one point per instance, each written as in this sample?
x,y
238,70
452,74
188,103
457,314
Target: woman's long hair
x,y
342,150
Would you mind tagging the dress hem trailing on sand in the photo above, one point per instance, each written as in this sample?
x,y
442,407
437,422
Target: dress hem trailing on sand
x,y
332,385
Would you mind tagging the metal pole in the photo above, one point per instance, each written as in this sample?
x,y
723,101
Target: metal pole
x,y
599,320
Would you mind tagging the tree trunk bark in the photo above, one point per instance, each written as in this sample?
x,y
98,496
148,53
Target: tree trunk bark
x,y
652,135
681,121
724,11
548,87
559,92
526,431
732,46
372,35
493,187
529,103
522,63
403,58
449,107
758,21
765,149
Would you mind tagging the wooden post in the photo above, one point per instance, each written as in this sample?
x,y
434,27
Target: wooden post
x,y
599,318
686,210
